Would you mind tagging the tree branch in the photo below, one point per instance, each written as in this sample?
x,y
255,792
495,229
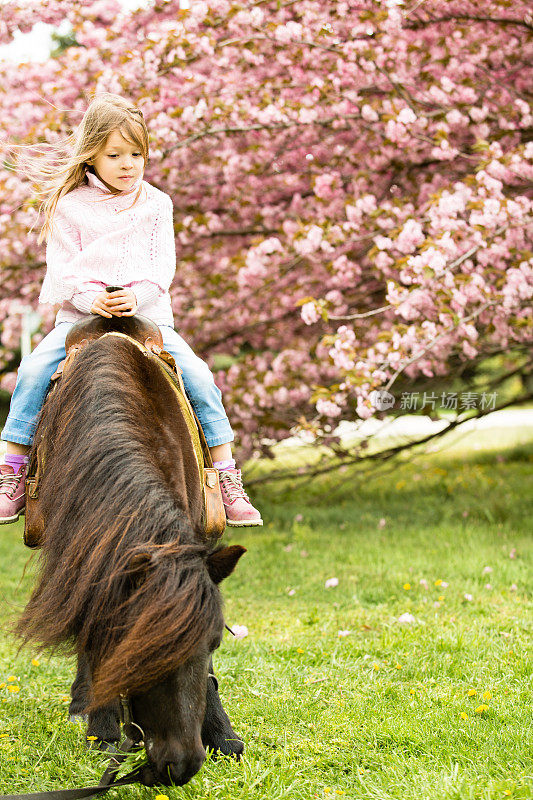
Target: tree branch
x,y
422,23
382,455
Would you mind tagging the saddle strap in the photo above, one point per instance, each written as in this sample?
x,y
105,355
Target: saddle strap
x,y
208,461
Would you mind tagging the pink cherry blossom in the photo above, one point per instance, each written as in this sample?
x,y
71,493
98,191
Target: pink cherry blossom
x,y
385,183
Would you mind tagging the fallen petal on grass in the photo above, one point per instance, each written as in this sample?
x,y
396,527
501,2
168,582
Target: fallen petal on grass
x,y
406,619
239,631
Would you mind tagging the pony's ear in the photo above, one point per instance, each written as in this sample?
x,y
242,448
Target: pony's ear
x,y
222,562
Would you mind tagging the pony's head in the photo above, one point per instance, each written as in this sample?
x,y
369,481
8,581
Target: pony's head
x,y
170,713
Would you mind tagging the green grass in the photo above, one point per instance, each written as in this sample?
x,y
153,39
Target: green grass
x,y
373,714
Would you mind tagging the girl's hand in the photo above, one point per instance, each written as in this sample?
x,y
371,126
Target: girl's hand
x,y
121,303
99,305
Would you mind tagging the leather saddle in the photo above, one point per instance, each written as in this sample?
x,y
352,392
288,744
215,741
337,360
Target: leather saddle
x,y
147,336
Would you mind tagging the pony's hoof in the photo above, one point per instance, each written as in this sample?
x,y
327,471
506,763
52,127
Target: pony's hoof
x,y
226,747
79,719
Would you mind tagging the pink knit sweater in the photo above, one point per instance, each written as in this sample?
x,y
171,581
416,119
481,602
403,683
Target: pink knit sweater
x,y
101,239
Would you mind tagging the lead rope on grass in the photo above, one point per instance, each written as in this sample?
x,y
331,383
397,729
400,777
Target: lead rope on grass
x,y
106,782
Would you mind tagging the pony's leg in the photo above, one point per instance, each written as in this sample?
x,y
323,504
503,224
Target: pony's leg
x,y
103,723
79,691
217,733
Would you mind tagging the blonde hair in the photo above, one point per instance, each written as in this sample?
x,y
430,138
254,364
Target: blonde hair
x,y
59,168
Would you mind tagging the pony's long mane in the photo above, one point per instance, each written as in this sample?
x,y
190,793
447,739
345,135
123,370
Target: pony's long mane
x,y
122,571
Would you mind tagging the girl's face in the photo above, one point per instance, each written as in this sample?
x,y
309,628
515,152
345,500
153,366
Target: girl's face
x,y
118,163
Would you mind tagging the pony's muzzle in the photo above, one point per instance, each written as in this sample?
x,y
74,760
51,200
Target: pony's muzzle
x,y
171,766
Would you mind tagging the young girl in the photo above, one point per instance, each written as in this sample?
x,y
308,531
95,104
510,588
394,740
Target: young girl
x,y
104,226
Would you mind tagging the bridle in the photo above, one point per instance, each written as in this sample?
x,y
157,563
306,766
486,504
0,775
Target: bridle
x,y
134,740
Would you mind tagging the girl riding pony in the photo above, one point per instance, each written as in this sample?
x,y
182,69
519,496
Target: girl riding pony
x,y
104,225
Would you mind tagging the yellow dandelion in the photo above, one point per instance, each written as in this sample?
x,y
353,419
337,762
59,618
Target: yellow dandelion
x,y
327,790
487,695
472,692
407,586
361,771
11,679
375,666
412,691
441,598
2,685
480,709
340,791
438,582
14,689
92,738
398,666
507,792
161,797
4,735
463,715
300,650
35,662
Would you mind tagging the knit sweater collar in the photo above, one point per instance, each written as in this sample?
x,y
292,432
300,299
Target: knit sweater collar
x,y
95,182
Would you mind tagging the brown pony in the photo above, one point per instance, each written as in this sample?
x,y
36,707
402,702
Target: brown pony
x,y
127,579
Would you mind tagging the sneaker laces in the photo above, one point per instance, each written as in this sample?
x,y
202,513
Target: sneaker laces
x,y
231,482
9,482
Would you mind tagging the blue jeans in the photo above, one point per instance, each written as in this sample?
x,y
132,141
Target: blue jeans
x,y
37,368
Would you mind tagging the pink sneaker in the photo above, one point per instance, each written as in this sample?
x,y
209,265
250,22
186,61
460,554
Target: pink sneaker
x,y
239,510
12,498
